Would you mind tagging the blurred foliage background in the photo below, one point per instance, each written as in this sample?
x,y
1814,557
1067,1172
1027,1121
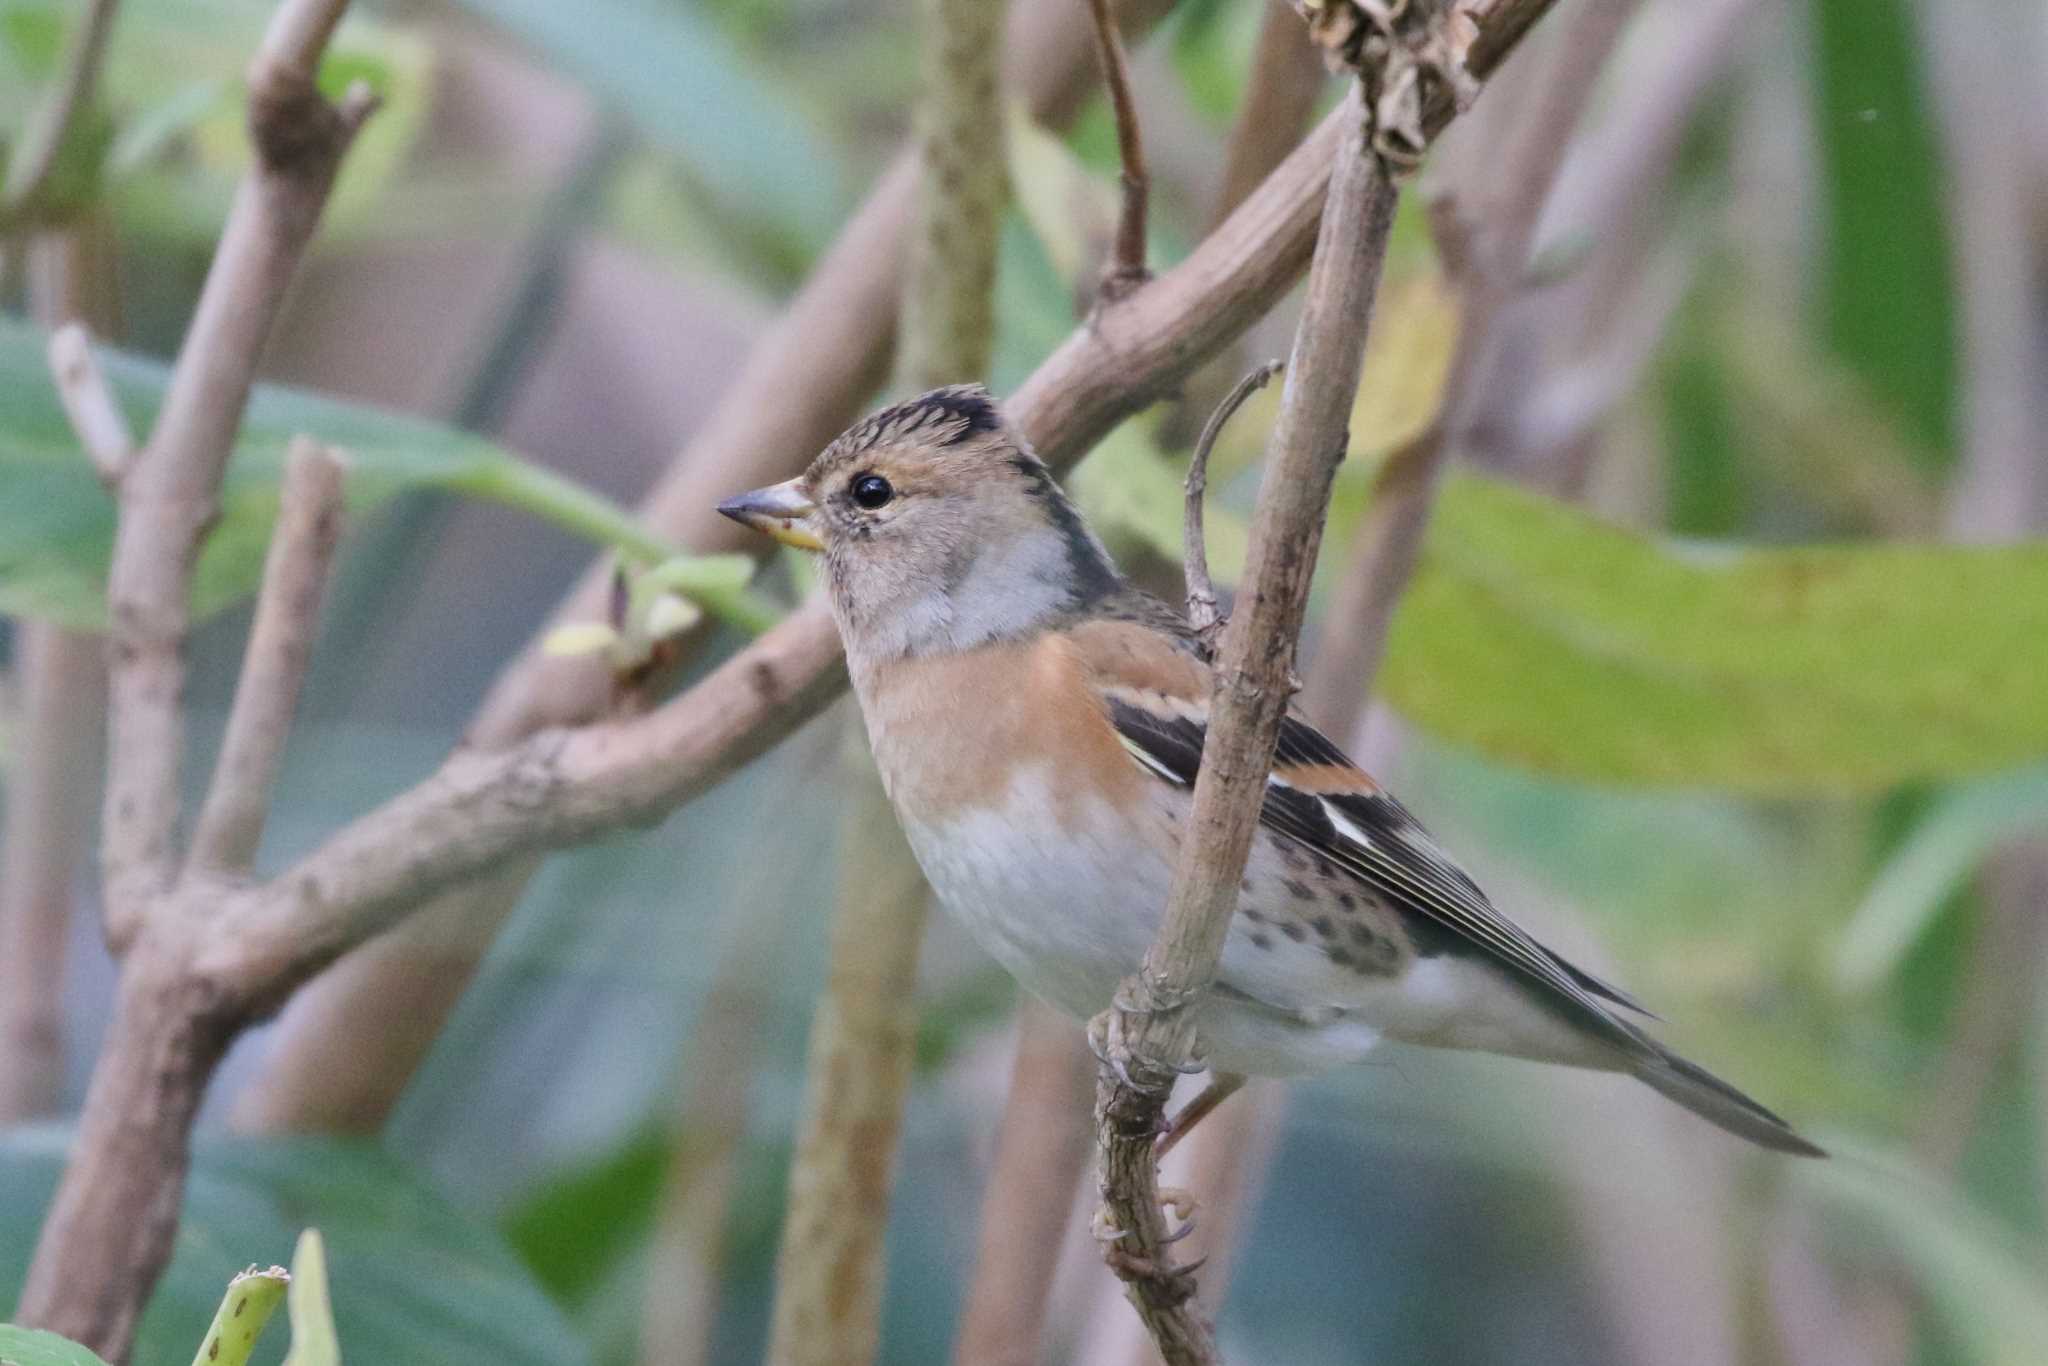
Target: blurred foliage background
x,y
1697,673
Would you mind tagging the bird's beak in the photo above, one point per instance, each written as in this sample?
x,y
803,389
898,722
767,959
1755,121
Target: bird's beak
x,y
781,510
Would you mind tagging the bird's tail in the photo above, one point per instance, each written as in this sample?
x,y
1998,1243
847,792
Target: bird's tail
x,y
1715,1101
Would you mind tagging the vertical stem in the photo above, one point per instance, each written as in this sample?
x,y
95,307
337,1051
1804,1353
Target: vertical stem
x,y
1149,1033
62,677
106,1240
1043,1141
828,1290
948,322
830,1273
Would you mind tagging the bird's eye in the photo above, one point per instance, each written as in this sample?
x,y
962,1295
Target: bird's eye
x,y
871,491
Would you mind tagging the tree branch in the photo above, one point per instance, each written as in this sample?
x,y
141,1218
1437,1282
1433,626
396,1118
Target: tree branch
x,y
169,499
948,320
1148,1038
1148,1035
1042,1144
1279,97
828,1277
1126,270
110,1227
274,668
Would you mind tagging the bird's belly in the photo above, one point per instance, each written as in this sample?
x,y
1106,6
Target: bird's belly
x,y
1066,906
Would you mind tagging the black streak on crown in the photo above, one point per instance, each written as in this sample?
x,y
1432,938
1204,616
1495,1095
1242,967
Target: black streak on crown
x,y
970,403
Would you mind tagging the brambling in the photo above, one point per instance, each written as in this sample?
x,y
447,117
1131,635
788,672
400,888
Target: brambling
x,y
1038,723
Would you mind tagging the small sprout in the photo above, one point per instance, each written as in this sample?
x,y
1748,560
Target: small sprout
x,y
647,611
671,614
579,638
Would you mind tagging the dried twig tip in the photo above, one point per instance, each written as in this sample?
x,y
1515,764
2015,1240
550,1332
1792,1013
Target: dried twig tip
x,y
89,403
1202,614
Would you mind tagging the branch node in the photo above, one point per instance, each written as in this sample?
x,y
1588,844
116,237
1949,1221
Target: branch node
x,y
1413,62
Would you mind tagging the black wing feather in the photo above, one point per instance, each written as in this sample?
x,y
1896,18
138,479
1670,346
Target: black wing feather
x,y
1395,857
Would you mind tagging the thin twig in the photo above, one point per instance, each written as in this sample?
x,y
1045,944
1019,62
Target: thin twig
x,y
90,405
29,171
1126,270
274,667
1201,590
1147,1037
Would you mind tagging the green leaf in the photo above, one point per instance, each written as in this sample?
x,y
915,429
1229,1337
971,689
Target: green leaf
x,y
1991,1291
1539,636
314,1340
174,77
34,1347
1887,292
1922,874
252,1297
57,523
417,1281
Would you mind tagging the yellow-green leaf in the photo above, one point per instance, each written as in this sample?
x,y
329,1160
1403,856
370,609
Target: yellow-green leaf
x,y
1538,635
314,1341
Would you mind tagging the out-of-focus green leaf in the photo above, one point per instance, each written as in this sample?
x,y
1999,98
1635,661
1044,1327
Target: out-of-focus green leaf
x,y
1886,282
1992,1292
1794,413
175,104
34,1347
252,1297
314,1339
1912,887
692,92
418,1283
1070,207
57,523
1540,636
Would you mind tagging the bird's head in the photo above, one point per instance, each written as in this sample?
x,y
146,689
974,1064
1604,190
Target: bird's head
x,y
939,527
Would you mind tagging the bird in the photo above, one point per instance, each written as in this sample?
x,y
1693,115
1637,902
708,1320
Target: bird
x,y
1038,723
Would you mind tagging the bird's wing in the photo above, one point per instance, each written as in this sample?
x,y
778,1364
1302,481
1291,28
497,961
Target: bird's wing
x,y
1157,699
